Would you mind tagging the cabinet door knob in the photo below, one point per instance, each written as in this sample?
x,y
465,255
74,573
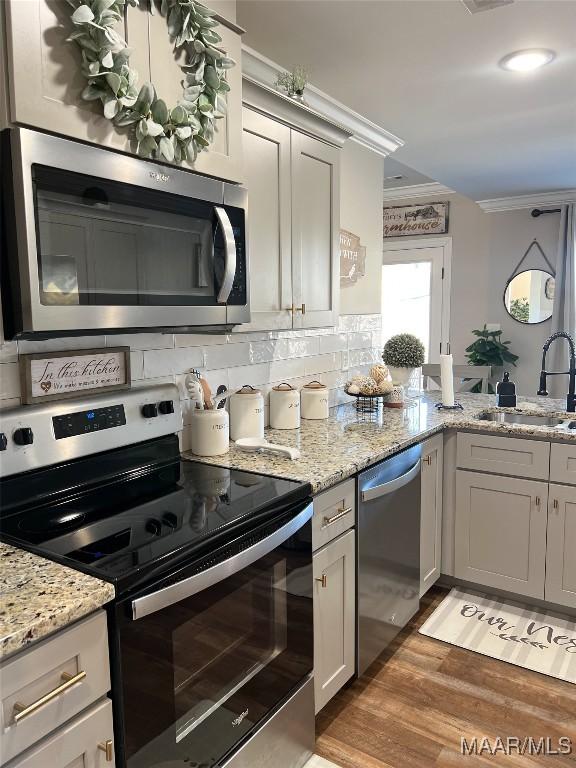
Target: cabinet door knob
x,y
555,504
427,460
301,309
108,748
537,501
323,580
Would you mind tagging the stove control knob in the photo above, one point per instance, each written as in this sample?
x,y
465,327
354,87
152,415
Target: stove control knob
x,y
154,527
166,407
3,441
170,519
23,436
150,410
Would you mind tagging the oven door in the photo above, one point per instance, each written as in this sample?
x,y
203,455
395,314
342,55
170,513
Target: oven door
x,y
204,658
110,242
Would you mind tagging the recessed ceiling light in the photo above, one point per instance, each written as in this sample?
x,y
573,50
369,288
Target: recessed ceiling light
x,y
528,60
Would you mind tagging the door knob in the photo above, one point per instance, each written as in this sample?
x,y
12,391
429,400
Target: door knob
x,y
108,748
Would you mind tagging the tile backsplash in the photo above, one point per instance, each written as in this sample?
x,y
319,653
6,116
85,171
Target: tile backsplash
x,y
261,359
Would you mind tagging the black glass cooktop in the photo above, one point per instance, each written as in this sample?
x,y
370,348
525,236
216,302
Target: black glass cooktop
x,y
130,514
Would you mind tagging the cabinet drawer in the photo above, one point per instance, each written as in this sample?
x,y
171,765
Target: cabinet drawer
x,y
334,513
563,463
75,745
38,692
504,455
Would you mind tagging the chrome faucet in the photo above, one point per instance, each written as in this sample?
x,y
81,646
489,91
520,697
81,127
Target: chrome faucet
x,y
571,396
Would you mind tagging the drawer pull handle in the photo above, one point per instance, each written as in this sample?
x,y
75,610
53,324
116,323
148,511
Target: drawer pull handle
x,y
108,748
338,516
21,710
323,580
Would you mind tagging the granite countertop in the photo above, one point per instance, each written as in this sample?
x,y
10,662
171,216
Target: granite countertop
x,y
347,442
38,597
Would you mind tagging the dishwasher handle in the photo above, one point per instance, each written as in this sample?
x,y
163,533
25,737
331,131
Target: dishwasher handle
x,y
393,485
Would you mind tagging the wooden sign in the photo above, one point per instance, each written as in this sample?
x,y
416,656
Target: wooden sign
x,y
60,375
352,258
410,220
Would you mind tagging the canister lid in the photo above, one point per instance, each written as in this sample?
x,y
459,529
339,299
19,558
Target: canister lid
x,y
284,387
314,385
248,389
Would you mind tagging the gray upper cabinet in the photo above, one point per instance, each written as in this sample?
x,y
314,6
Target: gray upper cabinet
x,y
500,532
293,181
315,231
45,81
268,178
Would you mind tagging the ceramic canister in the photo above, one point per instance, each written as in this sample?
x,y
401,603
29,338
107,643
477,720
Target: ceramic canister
x,y
246,413
209,432
314,401
284,407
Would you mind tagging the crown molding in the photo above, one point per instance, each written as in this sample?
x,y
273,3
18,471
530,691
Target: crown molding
x,y
259,70
431,189
496,204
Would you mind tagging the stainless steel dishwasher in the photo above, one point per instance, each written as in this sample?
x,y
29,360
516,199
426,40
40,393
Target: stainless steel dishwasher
x,y
388,540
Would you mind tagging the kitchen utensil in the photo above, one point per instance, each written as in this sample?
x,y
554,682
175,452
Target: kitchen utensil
x,y
254,444
284,407
314,401
247,413
207,393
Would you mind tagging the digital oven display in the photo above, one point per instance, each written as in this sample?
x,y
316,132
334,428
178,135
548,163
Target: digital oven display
x,y
83,422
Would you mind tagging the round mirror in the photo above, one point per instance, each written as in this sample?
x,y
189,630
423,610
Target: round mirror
x,y
529,296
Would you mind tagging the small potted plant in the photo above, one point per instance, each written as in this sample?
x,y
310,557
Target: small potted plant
x,y
293,83
403,354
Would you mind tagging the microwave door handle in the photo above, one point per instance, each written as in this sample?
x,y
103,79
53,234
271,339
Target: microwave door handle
x,y
393,485
230,255
175,593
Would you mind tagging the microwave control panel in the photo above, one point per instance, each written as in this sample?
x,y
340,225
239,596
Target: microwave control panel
x,y
84,422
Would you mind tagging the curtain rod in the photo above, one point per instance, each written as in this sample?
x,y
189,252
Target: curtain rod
x,y
539,212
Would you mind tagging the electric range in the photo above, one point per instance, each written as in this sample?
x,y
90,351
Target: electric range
x,y
211,629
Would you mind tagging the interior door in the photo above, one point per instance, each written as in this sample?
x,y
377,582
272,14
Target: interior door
x,y
266,145
315,231
416,293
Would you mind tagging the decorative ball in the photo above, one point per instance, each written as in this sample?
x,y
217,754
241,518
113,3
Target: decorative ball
x,y
379,372
352,389
385,387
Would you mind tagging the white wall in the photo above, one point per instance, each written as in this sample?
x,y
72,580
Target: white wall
x,y
361,181
485,249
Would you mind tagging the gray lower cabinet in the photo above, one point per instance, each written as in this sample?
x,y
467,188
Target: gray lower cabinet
x,y
334,616
561,546
431,512
85,742
500,532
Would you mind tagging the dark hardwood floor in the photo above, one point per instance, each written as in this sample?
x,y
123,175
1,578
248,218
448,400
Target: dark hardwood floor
x,y
421,696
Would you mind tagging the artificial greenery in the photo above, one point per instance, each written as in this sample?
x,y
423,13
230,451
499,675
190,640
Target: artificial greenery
x,y
174,134
293,82
488,349
403,351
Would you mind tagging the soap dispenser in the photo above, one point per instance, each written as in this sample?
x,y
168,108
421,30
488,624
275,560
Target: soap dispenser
x,y
506,392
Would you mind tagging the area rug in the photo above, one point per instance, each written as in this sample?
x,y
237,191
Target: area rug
x,y
508,631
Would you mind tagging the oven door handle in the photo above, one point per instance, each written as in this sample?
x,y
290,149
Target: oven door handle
x,y
175,593
230,255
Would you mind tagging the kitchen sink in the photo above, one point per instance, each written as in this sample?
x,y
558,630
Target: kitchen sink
x,y
521,418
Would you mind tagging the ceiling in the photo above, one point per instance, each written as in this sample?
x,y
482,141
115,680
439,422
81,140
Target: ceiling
x,y
427,70
397,174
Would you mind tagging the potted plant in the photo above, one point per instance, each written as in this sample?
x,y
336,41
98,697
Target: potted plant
x,y
488,349
403,354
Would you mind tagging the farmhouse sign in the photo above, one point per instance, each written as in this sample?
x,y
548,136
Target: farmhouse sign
x,y
410,220
60,375
352,258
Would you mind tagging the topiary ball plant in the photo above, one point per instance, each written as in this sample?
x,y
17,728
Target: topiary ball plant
x,y
404,351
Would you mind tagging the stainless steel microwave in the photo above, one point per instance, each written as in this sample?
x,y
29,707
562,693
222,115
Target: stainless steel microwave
x,y
96,241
